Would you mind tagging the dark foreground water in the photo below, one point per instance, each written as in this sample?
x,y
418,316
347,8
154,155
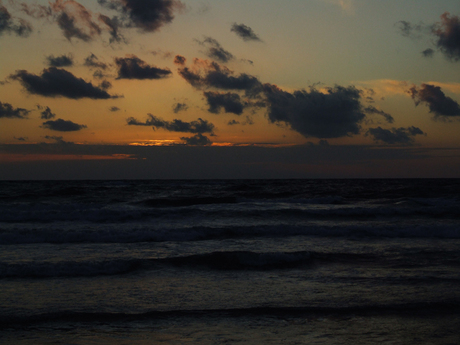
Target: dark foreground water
x,y
211,262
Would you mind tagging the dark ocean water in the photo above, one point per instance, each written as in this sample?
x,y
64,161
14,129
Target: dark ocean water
x,y
230,261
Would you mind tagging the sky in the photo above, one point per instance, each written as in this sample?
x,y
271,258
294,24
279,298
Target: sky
x,y
144,89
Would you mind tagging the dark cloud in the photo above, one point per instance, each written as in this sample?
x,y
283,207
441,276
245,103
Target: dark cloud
x,y
75,20
373,110
54,82
428,53
176,125
59,61
179,60
148,16
215,50
437,101
9,24
46,114
197,140
204,74
233,122
8,111
245,32
448,36
62,125
105,85
404,136
114,109
446,32
333,114
98,74
114,26
231,102
134,68
178,107
92,61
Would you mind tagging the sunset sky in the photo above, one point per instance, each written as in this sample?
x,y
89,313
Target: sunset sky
x,y
115,89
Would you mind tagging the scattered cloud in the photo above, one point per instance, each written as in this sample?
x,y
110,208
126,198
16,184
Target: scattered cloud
x,y
8,111
60,61
176,125
10,24
197,140
148,16
61,125
46,114
74,20
336,113
373,110
245,32
178,107
204,74
132,67
438,103
215,50
55,82
447,33
180,60
230,102
92,61
401,136
114,26
410,30
114,109
428,53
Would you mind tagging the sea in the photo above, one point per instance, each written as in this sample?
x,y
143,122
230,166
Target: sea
x,y
351,261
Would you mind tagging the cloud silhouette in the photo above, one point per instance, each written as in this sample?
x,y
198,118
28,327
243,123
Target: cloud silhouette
x,y
448,36
230,102
92,61
374,110
9,24
134,68
148,16
178,107
336,113
8,111
438,103
46,114
59,61
61,125
215,50
204,74
74,20
55,82
176,125
245,32
393,136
